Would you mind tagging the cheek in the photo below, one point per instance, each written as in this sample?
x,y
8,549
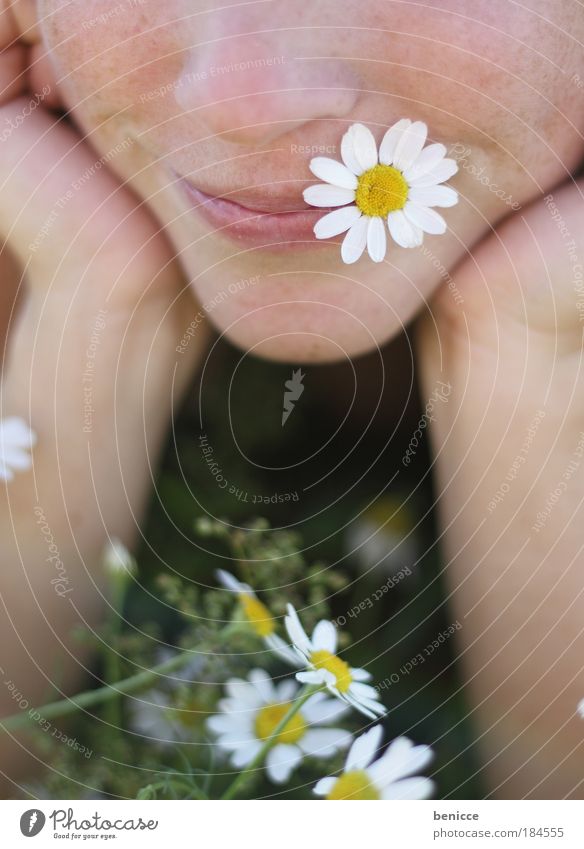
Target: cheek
x,y
311,318
105,51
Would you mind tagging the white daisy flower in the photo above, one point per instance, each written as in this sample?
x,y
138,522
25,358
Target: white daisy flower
x,y
158,714
162,720
117,559
389,777
251,712
397,186
580,708
257,614
326,668
16,442
384,538
151,716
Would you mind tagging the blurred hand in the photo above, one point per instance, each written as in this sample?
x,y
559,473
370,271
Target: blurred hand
x,y
508,450
91,363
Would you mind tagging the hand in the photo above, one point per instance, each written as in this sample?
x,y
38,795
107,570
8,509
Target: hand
x,y
91,363
509,448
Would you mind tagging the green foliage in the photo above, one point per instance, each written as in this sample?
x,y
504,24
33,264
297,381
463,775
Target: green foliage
x,y
305,560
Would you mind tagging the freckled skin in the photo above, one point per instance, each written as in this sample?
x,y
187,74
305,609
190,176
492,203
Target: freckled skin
x,y
487,74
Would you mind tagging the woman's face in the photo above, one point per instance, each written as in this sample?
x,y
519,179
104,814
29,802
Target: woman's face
x,y
233,99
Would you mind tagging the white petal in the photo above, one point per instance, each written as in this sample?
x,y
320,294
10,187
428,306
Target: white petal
x,y
410,144
439,174
402,231
376,239
296,632
281,760
364,145
16,441
286,691
364,749
410,788
433,196
152,698
355,241
324,786
283,650
244,755
325,195
364,691
337,221
377,708
15,431
390,140
400,760
324,637
312,676
230,582
234,741
426,161
330,682
348,153
356,704
368,707
16,458
263,684
324,742
319,710
333,172
426,218
360,674
243,693
220,724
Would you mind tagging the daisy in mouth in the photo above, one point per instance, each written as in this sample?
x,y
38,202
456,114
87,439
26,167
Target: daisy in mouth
x,y
394,188
323,666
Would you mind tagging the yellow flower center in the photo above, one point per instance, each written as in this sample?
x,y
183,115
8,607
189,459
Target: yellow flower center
x,y
323,659
190,712
270,716
381,190
258,615
353,785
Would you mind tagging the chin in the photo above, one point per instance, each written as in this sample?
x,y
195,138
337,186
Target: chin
x,y
308,319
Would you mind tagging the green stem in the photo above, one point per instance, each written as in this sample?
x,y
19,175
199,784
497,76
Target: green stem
x,y
308,691
194,792
112,666
90,698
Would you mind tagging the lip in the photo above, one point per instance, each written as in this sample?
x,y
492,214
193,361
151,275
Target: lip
x,y
278,227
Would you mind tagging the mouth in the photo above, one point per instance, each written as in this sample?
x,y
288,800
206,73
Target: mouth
x,y
284,223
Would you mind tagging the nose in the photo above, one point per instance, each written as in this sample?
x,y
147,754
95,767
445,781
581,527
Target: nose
x,y
251,87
